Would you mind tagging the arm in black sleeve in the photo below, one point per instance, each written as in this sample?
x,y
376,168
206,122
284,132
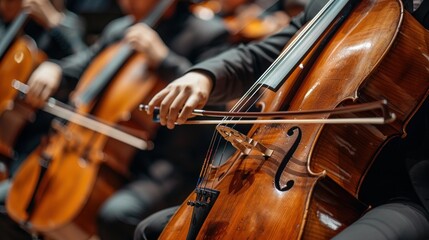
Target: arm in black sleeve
x,y
172,66
198,40
68,35
234,71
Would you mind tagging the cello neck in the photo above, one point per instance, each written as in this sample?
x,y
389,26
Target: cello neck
x,y
292,56
125,52
12,32
157,13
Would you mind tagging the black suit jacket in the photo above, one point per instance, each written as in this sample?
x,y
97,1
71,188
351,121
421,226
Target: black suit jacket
x,y
190,40
58,42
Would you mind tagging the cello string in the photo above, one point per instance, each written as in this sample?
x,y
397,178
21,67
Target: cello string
x,y
213,150
273,70
211,153
239,106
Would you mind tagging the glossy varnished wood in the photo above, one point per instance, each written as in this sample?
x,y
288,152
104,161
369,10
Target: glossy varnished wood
x,y
17,64
366,60
85,167
400,76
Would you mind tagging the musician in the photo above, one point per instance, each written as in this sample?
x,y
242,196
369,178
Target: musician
x,y
178,40
400,199
57,31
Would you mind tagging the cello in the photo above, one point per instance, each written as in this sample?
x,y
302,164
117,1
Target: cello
x,y
19,56
59,188
299,180
248,24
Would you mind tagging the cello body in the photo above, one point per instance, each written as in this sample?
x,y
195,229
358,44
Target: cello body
x,y
83,167
18,63
307,188
19,56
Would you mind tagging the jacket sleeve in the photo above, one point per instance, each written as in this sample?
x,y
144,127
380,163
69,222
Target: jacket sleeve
x,y
234,71
194,46
68,35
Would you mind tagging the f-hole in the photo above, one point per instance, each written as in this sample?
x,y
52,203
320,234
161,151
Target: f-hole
x,y
289,184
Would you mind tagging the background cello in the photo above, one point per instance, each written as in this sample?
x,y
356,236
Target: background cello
x,y
55,33
296,158
250,20
82,161
19,55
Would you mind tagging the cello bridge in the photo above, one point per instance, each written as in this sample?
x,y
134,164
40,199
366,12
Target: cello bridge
x,y
242,142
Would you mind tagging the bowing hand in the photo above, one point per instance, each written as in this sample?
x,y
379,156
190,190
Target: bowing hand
x,y
43,83
178,100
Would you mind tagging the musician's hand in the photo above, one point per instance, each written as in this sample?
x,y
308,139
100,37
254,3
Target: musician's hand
x,y
43,12
181,97
145,40
43,83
